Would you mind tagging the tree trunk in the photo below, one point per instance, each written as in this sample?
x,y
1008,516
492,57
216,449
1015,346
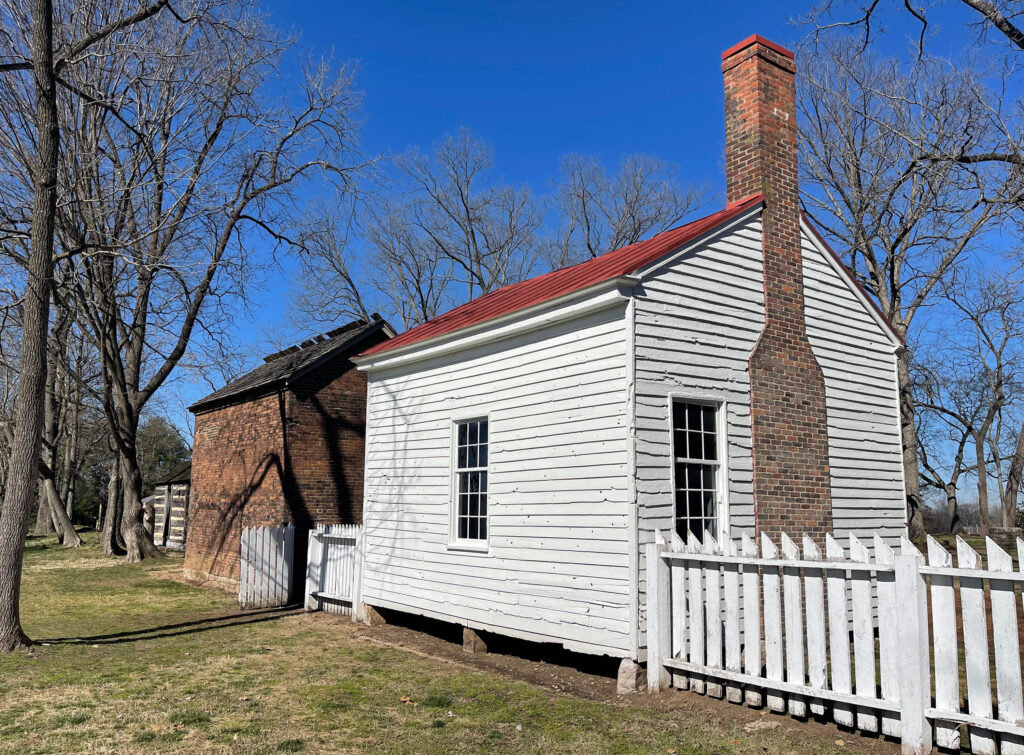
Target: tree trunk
x,y
1013,482
113,544
979,455
912,477
953,523
69,537
137,541
48,463
28,408
44,523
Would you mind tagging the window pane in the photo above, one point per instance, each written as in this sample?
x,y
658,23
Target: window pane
x,y
473,428
473,528
462,457
709,419
710,452
692,417
463,430
482,458
483,504
694,504
695,449
471,456
483,529
483,431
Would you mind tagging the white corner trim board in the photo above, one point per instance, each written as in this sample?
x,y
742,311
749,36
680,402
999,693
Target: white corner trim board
x,y
576,304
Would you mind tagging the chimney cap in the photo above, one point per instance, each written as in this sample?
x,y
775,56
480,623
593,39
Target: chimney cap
x,y
757,39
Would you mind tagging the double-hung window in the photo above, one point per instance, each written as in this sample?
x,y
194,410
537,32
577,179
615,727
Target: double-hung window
x,y
471,480
697,480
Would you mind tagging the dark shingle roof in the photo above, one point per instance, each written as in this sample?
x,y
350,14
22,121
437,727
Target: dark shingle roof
x,y
281,367
181,473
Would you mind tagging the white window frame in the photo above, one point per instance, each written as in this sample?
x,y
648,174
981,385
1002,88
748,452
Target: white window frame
x,y
721,406
479,545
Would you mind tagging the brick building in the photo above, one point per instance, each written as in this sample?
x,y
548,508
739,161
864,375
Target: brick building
x,y
283,443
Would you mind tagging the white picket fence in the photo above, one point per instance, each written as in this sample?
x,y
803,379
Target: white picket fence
x,y
334,569
265,571
708,608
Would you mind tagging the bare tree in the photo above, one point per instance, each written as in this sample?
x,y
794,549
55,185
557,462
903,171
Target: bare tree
x,y
31,55
989,19
599,213
329,287
443,230
972,377
415,278
903,221
167,203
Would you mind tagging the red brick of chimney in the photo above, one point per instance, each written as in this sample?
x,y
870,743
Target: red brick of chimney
x,y
792,490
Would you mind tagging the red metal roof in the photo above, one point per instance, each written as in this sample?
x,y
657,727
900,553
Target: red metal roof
x,y
558,283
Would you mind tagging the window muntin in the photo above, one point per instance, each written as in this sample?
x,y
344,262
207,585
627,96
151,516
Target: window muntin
x,y
471,480
696,459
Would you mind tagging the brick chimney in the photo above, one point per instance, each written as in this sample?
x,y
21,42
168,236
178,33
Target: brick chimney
x,y
792,491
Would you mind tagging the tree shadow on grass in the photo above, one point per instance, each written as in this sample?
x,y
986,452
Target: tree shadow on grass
x,y
183,628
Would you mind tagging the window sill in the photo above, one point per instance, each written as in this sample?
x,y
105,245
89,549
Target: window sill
x,y
469,547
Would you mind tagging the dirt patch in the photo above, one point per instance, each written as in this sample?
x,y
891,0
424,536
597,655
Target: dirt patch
x,y
588,677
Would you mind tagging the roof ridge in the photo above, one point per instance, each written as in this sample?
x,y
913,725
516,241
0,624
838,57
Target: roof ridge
x,y
322,337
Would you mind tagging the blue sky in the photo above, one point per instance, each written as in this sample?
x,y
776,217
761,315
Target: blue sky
x,y
536,80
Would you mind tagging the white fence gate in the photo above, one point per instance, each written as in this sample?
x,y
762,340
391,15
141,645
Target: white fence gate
x,y
862,641
265,571
334,569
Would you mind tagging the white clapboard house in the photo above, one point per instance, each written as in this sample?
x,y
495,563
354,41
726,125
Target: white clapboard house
x,y
727,376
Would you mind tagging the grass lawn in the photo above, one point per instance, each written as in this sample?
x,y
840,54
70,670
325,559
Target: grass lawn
x,y
133,661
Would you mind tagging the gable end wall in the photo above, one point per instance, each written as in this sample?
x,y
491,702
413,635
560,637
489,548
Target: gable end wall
x,y
857,356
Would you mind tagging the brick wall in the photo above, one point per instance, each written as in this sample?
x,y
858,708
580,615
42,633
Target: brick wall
x,y
294,456
325,435
790,438
237,481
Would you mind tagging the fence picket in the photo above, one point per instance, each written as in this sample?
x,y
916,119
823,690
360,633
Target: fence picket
x,y
243,568
888,641
863,636
914,675
751,619
979,679
678,574
772,624
794,622
1005,646
713,614
659,630
731,587
838,631
947,664
314,553
695,584
814,595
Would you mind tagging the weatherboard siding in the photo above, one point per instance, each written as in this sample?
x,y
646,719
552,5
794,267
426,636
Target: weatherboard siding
x,y
697,319
857,357
558,563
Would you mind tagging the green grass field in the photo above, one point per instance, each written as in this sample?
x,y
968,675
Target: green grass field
x,y
133,661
